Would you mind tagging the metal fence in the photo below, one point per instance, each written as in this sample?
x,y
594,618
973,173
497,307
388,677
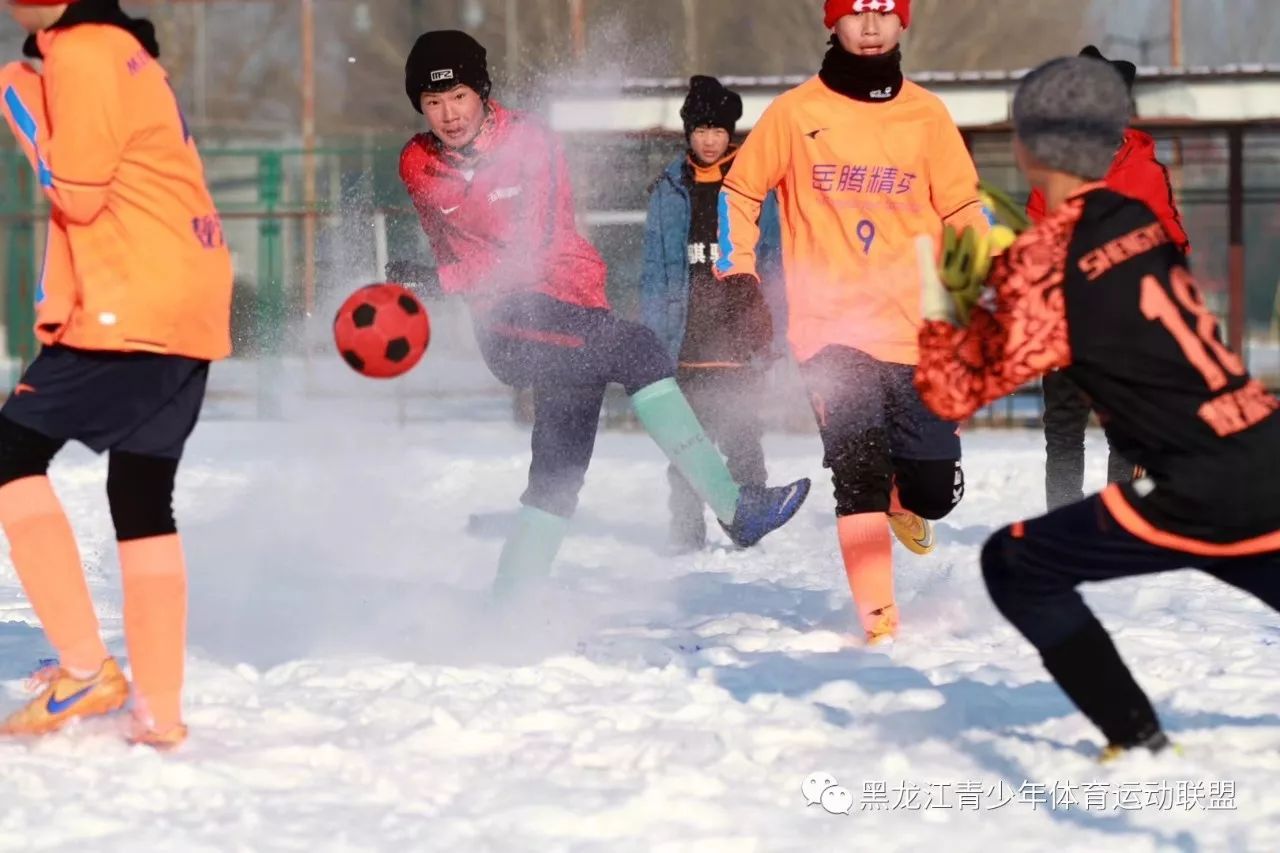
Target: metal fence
x,y
296,259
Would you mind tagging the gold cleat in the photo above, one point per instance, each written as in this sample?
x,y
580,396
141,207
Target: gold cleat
x,y
913,531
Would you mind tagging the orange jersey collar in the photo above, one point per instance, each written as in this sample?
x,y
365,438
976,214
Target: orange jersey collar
x,y
714,173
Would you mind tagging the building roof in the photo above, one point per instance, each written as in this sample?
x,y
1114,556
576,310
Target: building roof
x,y
1146,74
1230,93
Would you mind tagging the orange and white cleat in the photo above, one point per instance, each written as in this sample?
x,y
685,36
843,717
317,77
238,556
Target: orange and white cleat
x,y
913,531
65,698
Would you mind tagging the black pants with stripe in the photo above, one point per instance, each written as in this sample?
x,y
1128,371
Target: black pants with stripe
x,y
567,354
1033,571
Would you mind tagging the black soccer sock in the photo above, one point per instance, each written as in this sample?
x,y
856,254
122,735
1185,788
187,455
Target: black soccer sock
x,y
1089,670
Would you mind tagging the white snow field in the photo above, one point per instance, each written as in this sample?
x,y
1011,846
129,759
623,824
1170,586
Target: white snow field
x,y
351,689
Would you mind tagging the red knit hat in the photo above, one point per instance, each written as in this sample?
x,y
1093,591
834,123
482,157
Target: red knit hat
x,y
837,9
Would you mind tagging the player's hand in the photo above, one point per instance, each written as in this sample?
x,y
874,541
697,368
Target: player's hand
x,y
1010,219
966,260
422,279
1003,208
751,317
952,285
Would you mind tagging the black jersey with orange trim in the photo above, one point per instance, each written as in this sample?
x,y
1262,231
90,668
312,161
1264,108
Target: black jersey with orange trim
x,y
1099,290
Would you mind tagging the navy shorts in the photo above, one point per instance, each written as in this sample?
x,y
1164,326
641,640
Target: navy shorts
x,y
877,433
141,403
567,354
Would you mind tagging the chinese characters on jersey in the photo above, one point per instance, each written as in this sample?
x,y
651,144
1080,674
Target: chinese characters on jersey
x,y
866,180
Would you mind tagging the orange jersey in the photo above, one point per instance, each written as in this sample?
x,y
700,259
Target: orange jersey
x,y
856,183
135,258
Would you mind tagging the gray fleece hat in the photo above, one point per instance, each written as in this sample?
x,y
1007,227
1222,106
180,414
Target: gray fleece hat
x,y
1071,114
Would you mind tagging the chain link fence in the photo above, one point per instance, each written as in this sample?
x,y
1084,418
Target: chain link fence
x,y
285,296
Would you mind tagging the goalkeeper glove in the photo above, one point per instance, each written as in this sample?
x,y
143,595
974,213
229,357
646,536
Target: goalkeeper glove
x,y
1009,218
748,313
952,286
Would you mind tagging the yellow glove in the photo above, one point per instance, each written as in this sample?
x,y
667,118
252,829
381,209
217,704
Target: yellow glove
x,y
1003,209
966,260
1001,238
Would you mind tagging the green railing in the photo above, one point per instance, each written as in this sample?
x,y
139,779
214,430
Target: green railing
x,y
361,216
21,259
257,191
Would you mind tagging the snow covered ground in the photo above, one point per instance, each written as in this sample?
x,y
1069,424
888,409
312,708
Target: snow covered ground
x,y
350,688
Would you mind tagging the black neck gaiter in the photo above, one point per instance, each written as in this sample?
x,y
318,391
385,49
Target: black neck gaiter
x,y
100,12
874,79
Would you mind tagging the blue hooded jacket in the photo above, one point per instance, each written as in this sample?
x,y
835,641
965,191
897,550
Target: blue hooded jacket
x,y
664,281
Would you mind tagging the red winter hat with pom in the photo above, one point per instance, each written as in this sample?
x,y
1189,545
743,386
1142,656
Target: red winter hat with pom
x,y
837,9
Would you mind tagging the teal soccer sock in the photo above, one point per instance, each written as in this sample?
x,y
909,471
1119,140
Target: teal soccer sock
x,y
529,552
667,417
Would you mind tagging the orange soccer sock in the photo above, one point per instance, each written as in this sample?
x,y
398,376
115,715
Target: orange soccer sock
x,y
868,561
47,560
895,502
155,624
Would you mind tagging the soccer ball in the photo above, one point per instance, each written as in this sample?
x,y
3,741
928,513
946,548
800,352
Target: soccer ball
x,y
382,330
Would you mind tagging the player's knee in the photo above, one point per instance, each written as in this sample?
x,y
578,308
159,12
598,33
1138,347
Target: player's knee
x,y
645,356
999,571
931,489
140,494
24,452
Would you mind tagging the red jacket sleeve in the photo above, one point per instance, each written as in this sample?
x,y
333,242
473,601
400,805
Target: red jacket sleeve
x,y
1023,336
1035,207
1148,181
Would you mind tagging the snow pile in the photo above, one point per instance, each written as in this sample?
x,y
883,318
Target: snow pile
x,y
350,687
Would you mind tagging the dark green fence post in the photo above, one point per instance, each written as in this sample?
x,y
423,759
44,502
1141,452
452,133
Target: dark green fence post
x,y
21,265
271,325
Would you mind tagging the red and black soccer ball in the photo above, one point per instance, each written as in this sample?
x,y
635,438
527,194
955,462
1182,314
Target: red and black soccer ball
x,y
382,331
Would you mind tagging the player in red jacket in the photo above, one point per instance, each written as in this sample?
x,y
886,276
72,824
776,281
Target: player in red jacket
x,y
491,187
1135,172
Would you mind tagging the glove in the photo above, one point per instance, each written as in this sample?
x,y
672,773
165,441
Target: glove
x,y
1009,219
423,280
951,287
750,315
966,260
935,301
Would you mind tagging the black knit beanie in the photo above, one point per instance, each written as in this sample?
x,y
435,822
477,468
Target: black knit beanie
x,y
710,104
442,59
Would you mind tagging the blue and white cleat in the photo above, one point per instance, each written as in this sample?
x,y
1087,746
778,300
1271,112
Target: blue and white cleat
x,y
763,509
